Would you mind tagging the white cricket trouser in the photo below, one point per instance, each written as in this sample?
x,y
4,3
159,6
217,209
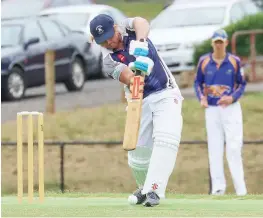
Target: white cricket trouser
x,y
158,141
161,112
225,125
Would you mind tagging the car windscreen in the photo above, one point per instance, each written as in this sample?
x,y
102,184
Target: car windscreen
x,y
189,17
22,8
60,3
10,35
73,21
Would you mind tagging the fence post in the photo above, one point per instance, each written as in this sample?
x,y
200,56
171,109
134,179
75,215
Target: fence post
x,y
62,178
50,81
253,55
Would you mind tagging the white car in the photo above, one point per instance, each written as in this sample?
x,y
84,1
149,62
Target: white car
x,y
25,8
182,25
78,18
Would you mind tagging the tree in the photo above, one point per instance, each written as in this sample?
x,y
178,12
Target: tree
x,y
259,3
251,22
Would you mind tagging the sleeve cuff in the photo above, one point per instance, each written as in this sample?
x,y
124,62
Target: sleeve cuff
x,y
130,23
234,98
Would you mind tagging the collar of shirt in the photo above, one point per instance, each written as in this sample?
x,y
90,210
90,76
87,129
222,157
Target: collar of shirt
x,y
226,59
125,41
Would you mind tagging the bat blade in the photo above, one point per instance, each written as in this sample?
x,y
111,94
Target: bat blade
x,y
133,118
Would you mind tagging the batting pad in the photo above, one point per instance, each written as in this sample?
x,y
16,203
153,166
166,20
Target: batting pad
x,y
161,167
139,160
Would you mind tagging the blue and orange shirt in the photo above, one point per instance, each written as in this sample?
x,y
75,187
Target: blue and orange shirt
x,y
215,81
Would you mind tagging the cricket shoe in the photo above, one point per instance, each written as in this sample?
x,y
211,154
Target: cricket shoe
x,y
219,192
152,199
137,197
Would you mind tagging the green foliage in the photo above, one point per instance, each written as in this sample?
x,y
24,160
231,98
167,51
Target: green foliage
x,y
243,42
146,8
259,3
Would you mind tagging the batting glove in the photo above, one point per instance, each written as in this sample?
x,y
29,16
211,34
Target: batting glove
x,y
144,64
139,48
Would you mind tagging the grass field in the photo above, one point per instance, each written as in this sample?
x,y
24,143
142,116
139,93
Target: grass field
x,y
137,8
116,205
107,123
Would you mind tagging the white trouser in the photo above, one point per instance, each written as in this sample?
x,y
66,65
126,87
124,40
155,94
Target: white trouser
x,y
160,130
225,125
161,111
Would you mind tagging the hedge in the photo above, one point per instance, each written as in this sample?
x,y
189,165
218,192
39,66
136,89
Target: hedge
x,y
243,42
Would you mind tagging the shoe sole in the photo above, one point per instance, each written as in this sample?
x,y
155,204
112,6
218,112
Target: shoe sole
x,y
148,204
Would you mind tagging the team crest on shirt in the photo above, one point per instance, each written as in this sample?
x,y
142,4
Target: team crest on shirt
x,y
217,90
229,72
121,58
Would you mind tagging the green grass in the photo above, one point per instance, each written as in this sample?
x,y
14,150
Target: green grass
x,y
107,122
116,205
137,8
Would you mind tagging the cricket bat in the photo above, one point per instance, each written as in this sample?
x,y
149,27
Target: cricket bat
x,y
133,118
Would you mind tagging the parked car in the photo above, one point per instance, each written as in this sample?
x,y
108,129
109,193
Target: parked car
x,y
179,27
17,8
78,18
60,3
23,8
24,43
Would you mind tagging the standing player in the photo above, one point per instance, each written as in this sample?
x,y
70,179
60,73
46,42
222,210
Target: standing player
x,y
219,84
127,46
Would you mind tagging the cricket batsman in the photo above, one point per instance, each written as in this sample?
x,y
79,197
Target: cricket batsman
x,y
126,47
219,85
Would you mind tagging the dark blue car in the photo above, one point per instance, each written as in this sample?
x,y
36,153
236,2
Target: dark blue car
x,y
24,43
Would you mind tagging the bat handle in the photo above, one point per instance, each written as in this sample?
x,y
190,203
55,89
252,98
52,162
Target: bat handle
x,y
138,73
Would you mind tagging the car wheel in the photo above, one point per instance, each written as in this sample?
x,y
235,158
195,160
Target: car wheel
x,y
77,77
14,85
